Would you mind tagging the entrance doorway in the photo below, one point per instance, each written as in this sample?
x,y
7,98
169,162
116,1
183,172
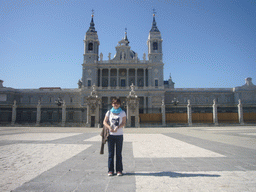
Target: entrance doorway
x,y
92,121
132,121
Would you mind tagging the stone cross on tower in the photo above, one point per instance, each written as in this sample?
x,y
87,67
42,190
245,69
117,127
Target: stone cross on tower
x,y
154,11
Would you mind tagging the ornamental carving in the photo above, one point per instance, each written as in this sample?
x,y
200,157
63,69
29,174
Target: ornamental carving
x,y
93,101
133,104
132,100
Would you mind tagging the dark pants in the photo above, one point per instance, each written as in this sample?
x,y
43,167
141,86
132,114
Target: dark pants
x,y
115,141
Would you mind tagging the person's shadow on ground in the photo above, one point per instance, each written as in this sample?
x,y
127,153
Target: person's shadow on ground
x,y
172,174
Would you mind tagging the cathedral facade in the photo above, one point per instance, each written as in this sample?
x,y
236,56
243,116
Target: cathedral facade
x,y
148,99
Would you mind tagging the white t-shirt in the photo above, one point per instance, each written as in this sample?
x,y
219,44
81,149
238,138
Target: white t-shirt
x,y
115,120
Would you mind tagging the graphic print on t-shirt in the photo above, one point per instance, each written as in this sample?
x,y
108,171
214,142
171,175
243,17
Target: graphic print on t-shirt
x,y
115,121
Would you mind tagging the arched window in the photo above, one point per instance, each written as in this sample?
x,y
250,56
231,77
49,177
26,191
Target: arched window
x,y
155,46
90,47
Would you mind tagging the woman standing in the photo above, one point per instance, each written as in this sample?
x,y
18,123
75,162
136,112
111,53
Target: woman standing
x,y
115,120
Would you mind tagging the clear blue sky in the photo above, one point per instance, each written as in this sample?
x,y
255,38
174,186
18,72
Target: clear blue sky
x,y
206,43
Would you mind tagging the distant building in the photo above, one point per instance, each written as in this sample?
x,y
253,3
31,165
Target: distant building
x,y
158,103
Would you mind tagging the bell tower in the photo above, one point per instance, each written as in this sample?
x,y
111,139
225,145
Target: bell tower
x,y
155,44
91,55
91,44
155,56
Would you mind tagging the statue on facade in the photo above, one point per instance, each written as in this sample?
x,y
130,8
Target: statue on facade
x,y
101,56
144,56
136,56
132,92
15,103
1,83
94,92
122,55
132,88
80,84
109,56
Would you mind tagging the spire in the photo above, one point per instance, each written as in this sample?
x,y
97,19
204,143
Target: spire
x,y
154,27
92,28
125,37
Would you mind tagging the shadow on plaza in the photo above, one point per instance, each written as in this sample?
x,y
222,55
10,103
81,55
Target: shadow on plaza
x,y
172,174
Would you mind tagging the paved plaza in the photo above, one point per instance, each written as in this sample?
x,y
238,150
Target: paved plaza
x,y
155,159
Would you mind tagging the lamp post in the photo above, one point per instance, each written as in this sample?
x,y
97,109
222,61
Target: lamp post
x,y
175,102
102,112
124,104
59,102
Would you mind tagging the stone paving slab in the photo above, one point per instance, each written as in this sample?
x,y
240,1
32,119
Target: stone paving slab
x,y
155,159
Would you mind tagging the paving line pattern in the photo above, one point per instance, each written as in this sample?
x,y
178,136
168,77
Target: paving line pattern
x,y
153,156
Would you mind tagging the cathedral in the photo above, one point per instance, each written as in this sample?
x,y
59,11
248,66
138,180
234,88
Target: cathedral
x,y
148,99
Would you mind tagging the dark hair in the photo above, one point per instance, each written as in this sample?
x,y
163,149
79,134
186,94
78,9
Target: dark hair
x,y
115,100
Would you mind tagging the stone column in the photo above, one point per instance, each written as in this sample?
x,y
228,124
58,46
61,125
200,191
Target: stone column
x,y
127,78
132,101
215,112
93,105
38,113
189,113
63,114
14,112
145,104
150,77
97,116
117,79
163,113
101,77
144,86
150,102
137,117
240,112
109,102
109,70
136,77
128,123
88,120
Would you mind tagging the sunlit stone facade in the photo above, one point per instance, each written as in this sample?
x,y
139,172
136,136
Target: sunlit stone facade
x,y
159,102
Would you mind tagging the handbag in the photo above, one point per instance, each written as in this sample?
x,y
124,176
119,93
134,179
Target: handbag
x,y
104,134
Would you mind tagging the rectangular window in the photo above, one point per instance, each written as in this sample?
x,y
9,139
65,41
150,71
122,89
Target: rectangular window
x,y
122,82
89,83
155,46
156,82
